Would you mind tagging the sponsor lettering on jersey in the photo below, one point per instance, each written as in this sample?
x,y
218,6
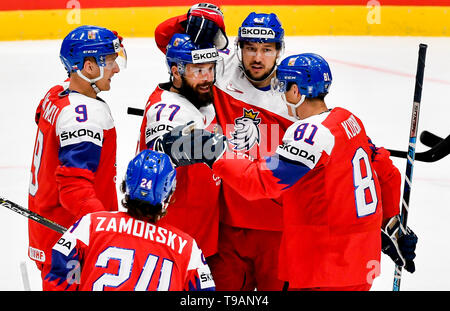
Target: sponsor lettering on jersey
x,y
150,131
76,135
142,229
65,244
246,130
298,152
351,127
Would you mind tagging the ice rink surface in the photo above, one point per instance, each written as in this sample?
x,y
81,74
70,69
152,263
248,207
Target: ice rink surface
x,y
372,76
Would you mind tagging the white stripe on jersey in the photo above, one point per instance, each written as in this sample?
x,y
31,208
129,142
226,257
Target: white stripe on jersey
x,y
305,140
198,262
84,120
174,110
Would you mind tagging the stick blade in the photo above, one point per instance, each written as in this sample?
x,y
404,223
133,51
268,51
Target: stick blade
x,y
429,139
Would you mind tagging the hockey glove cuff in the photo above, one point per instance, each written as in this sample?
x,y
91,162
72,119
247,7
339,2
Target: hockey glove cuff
x,y
186,145
400,249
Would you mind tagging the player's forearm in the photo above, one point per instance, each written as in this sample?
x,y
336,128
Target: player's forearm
x,y
165,30
251,179
76,191
390,182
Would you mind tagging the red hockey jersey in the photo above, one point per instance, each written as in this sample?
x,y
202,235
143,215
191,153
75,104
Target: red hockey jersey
x,y
73,168
254,122
194,205
328,174
111,251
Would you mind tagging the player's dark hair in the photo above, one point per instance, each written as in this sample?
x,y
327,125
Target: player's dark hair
x,y
142,210
320,96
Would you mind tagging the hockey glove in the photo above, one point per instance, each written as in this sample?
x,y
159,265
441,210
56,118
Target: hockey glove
x,y
186,145
205,25
400,249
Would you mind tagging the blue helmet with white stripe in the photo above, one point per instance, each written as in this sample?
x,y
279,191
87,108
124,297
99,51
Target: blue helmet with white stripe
x,y
150,177
261,27
309,71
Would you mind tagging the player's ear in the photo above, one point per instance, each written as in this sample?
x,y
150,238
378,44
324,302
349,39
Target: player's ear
x,y
176,76
89,65
175,72
296,91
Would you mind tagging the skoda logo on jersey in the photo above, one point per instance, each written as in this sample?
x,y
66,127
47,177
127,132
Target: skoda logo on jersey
x,y
204,56
246,131
257,32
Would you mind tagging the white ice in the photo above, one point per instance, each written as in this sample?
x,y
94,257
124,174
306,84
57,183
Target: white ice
x,y
372,76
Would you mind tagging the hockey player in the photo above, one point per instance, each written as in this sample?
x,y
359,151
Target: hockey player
x,y
337,187
254,121
187,97
131,250
73,168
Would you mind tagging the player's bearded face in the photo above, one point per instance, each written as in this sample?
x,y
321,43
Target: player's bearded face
x,y
197,84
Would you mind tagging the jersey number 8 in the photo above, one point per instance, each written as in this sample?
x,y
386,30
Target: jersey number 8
x,y
366,199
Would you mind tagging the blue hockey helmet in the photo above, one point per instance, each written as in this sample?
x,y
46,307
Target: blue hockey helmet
x,y
150,177
90,41
309,71
181,50
261,27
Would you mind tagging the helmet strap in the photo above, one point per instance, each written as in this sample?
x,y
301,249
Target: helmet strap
x,y
294,106
92,81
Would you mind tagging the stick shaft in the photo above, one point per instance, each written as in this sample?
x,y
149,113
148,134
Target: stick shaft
x,y
31,215
411,152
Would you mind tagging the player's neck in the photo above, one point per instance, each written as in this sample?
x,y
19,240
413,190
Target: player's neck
x,y
311,107
81,86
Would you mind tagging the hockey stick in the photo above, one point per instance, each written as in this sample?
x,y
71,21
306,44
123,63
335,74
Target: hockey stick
x,y
411,153
441,145
135,111
435,153
32,215
429,139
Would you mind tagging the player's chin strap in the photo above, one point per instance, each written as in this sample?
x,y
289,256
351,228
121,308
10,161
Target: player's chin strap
x,y
92,81
292,106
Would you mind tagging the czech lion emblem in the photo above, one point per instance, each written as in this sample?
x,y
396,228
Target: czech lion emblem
x,y
246,131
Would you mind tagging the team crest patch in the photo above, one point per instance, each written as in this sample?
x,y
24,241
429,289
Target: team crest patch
x,y
92,34
246,130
